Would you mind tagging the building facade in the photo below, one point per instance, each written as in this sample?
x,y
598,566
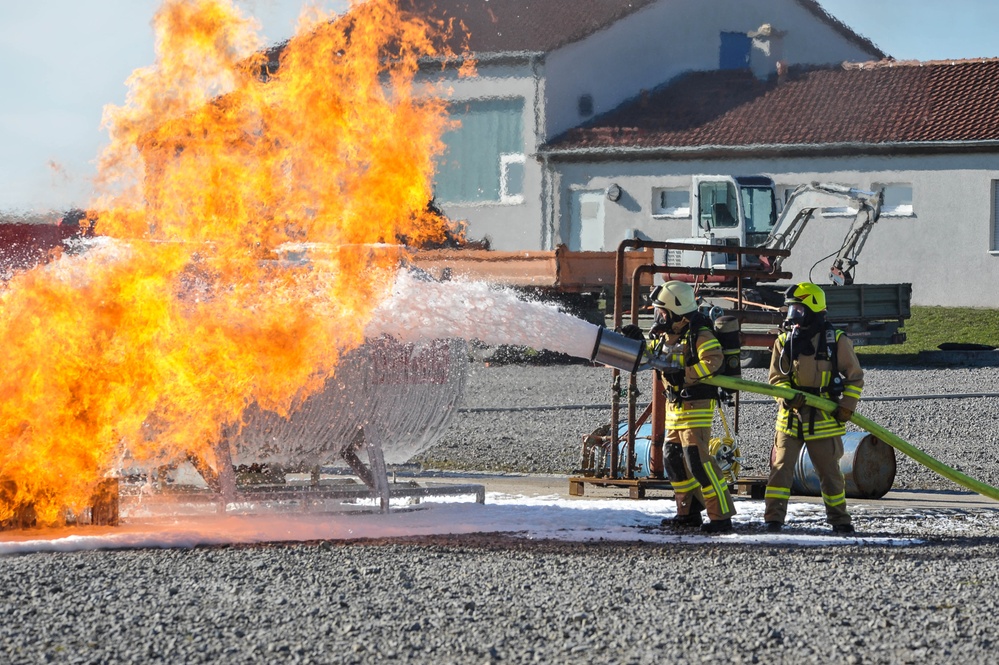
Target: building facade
x,y
586,121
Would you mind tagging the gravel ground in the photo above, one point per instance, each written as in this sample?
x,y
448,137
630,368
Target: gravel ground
x,y
494,432
495,598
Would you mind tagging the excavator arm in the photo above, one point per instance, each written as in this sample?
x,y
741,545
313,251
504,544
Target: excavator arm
x,y
868,214
802,205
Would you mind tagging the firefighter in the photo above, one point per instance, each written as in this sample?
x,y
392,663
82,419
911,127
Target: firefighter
x,y
811,356
695,477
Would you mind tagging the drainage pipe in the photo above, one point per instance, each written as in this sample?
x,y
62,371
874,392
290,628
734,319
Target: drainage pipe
x,y
732,383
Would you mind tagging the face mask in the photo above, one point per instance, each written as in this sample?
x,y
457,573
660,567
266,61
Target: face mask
x,y
675,324
796,314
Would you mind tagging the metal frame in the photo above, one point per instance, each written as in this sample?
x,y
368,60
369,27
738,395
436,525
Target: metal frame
x,y
610,476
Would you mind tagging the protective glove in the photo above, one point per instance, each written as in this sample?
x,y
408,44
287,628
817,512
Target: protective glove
x,y
631,331
842,414
658,330
796,403
674,375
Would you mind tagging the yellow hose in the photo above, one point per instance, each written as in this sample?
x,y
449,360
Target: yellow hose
x,y
732,383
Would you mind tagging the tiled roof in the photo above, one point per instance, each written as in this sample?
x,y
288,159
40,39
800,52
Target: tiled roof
x,y
544,25
525,25
872,103
541,26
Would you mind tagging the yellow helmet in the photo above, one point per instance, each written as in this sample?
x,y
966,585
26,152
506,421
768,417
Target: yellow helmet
x,y
807,294
676,296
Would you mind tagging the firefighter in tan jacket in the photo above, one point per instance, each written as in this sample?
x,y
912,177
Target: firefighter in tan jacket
x,y
687,336
811,356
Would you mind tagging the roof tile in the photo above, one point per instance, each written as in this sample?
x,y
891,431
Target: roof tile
x,y
874,103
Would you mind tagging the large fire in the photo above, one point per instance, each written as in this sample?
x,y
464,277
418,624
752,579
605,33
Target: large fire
x,y
152,344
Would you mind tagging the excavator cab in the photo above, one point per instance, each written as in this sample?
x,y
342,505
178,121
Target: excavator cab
x,y
742,211
733,211
743,208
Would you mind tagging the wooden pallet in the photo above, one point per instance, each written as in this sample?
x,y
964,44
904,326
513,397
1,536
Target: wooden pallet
x,y
636,487
752,486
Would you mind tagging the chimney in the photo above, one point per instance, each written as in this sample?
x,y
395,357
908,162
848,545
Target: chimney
x,y
767,54
781,71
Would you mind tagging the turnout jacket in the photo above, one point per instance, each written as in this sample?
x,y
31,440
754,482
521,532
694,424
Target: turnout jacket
x,y
808,374
692,404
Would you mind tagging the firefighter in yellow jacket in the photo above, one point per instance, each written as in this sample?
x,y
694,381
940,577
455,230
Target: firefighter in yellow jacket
x,y
687,336
811,356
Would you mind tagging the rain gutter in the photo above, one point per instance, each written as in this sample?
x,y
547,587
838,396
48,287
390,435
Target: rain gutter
x,y
487,58
851,148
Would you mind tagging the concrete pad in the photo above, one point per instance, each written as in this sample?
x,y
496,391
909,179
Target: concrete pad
x,y
558,486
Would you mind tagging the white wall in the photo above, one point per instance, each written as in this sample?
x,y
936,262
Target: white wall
x,y
943,249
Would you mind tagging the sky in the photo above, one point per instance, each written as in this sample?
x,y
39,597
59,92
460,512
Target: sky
x,y
64,60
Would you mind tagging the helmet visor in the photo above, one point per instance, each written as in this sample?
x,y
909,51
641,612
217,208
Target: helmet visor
x,y
796,313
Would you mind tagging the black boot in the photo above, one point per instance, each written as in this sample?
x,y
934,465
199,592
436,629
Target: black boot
x,y
718,526
690,521
843,528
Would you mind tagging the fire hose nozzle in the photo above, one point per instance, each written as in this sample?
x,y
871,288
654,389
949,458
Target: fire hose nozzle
x,y
617,351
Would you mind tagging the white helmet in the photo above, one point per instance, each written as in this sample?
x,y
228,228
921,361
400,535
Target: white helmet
x,y
676,296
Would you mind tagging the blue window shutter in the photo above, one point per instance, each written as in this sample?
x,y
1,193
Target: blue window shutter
x,y
734,50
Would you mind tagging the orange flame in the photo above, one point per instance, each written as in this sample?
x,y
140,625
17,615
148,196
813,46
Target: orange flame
x,y
151,346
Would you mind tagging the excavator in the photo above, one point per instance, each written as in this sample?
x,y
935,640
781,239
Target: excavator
x,y
745,211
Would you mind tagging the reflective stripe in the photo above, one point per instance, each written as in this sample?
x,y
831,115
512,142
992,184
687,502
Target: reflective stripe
x,y
851,391
688,485
700,368
825,426
719,489
708,493
712,343
777,493
835,500
687,418
781,384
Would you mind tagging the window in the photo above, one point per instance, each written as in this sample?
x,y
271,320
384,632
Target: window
x,y
760,211
898,199
670,202
840,211
483,160
718,205
512,178
585,106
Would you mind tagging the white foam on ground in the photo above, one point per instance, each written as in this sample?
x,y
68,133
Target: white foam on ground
x,y
536,518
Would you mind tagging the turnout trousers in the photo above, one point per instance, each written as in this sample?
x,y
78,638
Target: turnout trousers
x,y
704,486
825,455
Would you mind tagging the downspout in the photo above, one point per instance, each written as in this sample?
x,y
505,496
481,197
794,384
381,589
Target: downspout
x,y
546,230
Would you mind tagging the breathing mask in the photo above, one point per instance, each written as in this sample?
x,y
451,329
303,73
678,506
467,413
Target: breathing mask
x,y
797,315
